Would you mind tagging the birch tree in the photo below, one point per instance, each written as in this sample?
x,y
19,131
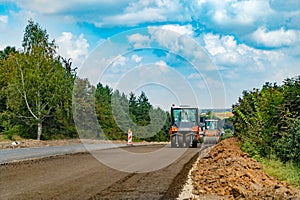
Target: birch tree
x,y
36,85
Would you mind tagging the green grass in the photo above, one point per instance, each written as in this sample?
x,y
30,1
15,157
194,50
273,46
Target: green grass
x,y
289,172
4,138
228,134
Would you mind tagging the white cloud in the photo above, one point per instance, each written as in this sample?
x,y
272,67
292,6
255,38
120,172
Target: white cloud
x,y
114,12
226,52
135,18
180,29
136,58
139,40
120,65
179,39
276,38
213,44
233,12
145,11
169,37
73,47
120,61
4,19
163,67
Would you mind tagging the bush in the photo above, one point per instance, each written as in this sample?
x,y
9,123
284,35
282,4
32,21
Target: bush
x,y
267,121
288,146
228,134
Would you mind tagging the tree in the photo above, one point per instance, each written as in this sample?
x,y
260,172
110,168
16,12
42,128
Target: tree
x,y
103,109
4,71
133,104
143,109
61,123
36,41
6,52
267,120
37,78
84,110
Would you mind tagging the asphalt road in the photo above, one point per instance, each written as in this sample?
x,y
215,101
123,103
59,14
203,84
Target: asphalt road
x,y
9,155
137,172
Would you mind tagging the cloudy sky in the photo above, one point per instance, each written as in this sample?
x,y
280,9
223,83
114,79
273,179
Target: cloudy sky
x,y
203,52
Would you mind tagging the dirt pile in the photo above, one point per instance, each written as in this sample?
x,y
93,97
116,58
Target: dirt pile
x,y
228,173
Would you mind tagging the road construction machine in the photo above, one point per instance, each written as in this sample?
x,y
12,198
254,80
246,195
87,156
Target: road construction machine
x,y
184,129
211,131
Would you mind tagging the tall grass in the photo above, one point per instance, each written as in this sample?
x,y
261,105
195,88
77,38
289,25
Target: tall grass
x,y
289,172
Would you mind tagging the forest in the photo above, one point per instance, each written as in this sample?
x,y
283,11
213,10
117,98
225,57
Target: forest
x,y
36,98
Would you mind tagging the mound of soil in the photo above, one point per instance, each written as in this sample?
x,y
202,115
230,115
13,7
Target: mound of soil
x,y
228,173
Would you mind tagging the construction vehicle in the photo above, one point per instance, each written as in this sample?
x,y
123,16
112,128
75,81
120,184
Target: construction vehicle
x,y
184,127
211,131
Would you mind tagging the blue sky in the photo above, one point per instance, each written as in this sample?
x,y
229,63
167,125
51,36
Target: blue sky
x,y
203,52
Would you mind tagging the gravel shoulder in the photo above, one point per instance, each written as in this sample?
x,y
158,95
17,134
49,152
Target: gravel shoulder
x,y
30,143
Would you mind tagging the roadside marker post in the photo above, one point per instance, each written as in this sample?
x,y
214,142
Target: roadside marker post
x,y
129,137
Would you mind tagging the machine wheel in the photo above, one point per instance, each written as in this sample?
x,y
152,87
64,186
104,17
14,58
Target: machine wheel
x,y
180,141
195,142
211,140
173,142
188,141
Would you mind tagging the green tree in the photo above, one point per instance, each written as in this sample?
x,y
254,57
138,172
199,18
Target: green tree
x,y
6,52
133,105
35,88
4,75
61,123
103,95
288,146
142,110
84,110
267,120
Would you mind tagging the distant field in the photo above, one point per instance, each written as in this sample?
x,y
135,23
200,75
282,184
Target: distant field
x,y
223,115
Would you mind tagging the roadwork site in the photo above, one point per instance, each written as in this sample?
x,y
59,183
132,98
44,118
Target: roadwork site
x,y
223,172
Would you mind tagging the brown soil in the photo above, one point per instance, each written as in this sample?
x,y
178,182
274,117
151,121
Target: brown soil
x,y
28,143
228,173
23,143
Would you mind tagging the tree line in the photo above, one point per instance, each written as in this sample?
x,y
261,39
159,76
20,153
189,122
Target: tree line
x,y
36,98
267,120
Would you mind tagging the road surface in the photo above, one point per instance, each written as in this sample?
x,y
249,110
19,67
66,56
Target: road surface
x,y
9,155
82,176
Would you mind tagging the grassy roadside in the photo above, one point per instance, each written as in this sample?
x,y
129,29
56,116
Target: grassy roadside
x,y
289,172
5,139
